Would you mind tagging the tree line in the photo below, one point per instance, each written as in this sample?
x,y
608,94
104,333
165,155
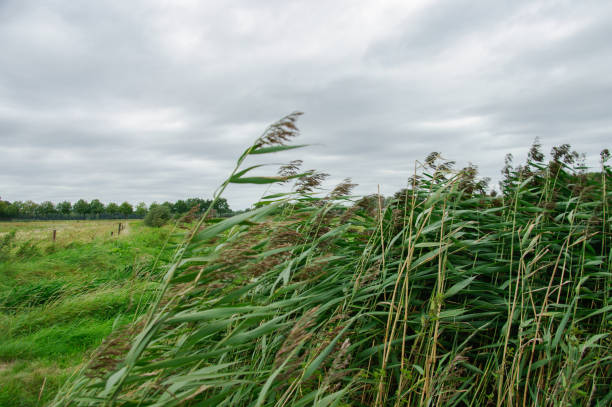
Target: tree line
x,y
82,209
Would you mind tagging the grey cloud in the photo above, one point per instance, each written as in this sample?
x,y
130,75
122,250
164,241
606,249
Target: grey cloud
x,y
140,101
439,26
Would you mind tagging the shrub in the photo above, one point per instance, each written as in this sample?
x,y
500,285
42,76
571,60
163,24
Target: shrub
x,y
157,216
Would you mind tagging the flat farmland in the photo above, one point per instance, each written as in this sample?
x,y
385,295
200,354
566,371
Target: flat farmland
x,y
67,231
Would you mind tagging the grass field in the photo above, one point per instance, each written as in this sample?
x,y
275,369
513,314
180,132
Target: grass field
x,y
58,300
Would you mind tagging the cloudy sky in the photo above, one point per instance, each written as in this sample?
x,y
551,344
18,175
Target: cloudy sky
x,y
154,100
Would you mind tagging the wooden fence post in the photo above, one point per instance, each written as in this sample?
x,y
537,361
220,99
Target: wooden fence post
x,y
54,233
119,229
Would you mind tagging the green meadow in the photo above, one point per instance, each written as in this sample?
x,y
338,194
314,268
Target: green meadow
x,y
59,299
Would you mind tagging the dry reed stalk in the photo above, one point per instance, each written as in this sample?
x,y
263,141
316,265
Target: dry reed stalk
x,y
407,234
431,361
42,389
391,321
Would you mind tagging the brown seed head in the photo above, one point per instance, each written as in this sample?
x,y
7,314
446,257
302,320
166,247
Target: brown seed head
x,y
308,183
289,170
338,367
298,334
281,132
342,189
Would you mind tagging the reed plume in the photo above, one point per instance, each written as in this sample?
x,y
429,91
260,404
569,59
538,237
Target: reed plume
x,y
343,189
280,132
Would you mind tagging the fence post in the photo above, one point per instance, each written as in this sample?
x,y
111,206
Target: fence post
x,y
119,229
54,233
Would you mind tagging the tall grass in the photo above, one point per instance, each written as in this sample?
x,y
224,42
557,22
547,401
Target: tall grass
x,y
441,296
58,304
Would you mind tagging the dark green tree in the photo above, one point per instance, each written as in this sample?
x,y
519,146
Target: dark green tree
x,y
14,209
169,205
4,208
126,209
204,204
64,207
29,209
141,209
180,206
222,206
96,207
45,209
81,207
112,208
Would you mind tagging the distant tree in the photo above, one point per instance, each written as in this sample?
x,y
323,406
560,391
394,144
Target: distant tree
x,y
180,206
141,209
222,206
14,209
4,208
157,216
168,205
81,207
29,209
45,209
126,209
64,207
96,207
204,204
112,208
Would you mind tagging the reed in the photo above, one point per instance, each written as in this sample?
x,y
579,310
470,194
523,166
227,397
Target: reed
x,y
441,296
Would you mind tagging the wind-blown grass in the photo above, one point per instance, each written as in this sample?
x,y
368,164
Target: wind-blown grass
x,y
59,300
441,296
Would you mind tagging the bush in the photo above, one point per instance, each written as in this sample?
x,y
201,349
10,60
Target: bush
x,y
157,216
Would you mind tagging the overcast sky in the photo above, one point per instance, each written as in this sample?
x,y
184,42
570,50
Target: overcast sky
x,y
154,100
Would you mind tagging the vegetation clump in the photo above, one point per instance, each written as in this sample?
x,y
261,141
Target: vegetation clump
x,y
443,295
157,216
